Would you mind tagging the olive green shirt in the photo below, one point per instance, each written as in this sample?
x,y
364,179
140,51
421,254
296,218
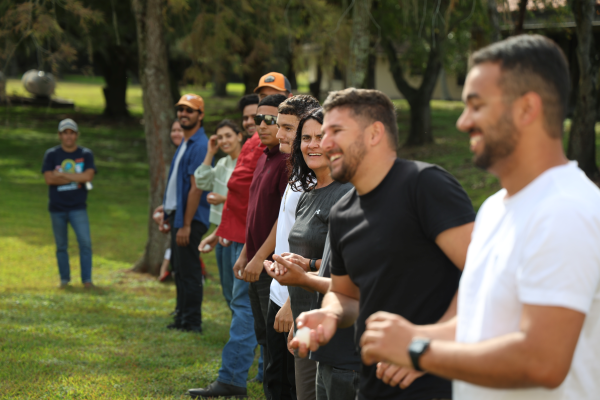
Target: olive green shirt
x,y
214,179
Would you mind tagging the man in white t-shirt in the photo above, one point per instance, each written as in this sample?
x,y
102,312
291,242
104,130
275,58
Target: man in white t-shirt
x,y
528,323
277,358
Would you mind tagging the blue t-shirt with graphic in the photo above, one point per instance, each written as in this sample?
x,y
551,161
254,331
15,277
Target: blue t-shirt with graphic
x,y
71,196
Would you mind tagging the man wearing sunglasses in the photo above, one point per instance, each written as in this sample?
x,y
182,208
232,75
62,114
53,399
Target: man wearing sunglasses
x,y
267,189
186,214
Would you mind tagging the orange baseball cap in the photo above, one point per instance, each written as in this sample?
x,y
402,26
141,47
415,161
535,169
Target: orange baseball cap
x,y
276,81
191,100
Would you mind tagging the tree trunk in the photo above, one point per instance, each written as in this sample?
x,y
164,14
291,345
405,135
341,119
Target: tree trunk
x,y
114,71
420,131
291,73
582,140
521,17
158,114
315,87
492,7
356,69
420,123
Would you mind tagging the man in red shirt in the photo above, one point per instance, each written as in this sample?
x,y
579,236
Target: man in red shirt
x,y
238,353
267,189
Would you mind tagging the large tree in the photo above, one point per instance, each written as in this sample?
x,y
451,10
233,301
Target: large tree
x,y
419,38
158,115
41,28
582,139
356,69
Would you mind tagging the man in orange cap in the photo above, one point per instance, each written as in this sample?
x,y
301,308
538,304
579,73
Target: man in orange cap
x,y
186,214
273,83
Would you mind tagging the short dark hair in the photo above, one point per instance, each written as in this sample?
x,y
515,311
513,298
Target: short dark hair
x,y
369,104
273,100
302,178
247,100
532,63
298,105
229,123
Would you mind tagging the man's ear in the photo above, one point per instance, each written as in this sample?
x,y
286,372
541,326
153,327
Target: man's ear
x,y
376,133
527,109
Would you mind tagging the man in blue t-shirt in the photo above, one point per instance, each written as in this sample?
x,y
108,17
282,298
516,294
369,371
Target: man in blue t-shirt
x,y
68,170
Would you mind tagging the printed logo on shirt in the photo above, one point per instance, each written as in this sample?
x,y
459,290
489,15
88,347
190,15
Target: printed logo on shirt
x,y
71,167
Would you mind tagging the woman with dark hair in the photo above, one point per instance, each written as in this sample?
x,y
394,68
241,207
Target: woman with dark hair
x,y
176,136
228,138
310,173
176,133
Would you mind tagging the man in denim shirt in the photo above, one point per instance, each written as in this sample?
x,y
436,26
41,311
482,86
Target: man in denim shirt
x,y
186,214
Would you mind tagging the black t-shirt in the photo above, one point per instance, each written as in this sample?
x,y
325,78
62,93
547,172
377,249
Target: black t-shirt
x,y
71,196
340,352
307,236
385,242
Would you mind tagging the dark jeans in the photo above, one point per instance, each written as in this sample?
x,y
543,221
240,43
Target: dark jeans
x,y
335,383
259,301
188,277
279,379
306,378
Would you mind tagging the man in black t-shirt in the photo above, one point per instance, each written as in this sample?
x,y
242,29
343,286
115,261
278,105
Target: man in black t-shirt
x,y
398,240
68,170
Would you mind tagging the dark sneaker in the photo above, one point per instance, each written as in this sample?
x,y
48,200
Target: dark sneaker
x,y
174,325
219,389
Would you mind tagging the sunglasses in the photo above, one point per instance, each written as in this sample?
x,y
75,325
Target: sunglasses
x,y
269,119
186,109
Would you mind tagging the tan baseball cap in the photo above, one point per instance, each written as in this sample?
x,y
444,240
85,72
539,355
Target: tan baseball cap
x,y
276,81
191,100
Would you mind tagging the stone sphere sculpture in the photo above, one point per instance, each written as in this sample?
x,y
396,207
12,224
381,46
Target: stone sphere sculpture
x,y
39,83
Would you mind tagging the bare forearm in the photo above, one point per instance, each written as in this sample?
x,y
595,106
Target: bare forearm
x,y
208,159
54,180
316,283
82,177
502,362
343,307
268,247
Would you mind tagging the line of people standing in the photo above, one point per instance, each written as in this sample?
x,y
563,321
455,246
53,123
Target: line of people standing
x,y
377,245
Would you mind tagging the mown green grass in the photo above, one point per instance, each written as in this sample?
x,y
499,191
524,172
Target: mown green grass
x,y
105,344
112,343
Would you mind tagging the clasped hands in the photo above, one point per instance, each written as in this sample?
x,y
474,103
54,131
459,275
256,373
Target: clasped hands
x,y
385,342
288,269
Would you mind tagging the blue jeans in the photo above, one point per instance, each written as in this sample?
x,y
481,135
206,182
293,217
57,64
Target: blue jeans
x,y
238,353
81,225
224,255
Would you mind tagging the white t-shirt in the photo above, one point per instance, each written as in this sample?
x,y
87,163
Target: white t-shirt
x,y
538,247
287,217
171,197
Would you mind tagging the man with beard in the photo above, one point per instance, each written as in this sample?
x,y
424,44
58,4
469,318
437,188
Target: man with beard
x,y
186,214
398,240
528,318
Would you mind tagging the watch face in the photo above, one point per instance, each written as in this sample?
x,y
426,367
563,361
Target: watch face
x,y
419,345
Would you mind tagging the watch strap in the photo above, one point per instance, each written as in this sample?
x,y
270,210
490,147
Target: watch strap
x,y
417,347
313,264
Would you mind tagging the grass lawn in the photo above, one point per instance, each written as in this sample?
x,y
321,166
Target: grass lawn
x,y
112,343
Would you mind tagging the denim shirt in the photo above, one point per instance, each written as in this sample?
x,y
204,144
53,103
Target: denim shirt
x,y
193,157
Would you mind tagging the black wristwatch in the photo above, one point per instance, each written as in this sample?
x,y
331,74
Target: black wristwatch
x,y
417,347
313,264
